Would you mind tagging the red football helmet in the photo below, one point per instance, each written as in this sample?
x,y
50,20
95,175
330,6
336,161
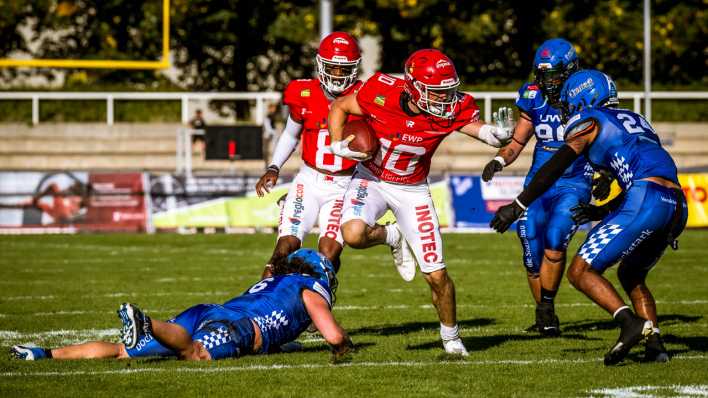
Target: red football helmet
x,y
338,61
431,81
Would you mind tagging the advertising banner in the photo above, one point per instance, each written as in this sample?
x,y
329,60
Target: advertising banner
x,y
231,202
66,201
695,187
474,201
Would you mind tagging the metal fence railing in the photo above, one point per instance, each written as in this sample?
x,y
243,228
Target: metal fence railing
x,y
260,99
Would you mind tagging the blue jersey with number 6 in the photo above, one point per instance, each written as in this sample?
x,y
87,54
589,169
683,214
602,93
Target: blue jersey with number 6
x,y
276,305
626,144
548,129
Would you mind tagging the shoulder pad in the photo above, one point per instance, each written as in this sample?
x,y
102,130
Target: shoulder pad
x,y
580,123
297,91
529,96
468,111
376,90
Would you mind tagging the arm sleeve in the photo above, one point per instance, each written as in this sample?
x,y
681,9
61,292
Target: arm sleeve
x,y
286,143
548,174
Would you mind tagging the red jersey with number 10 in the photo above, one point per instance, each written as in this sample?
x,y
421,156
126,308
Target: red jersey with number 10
x,y
407,142
309,106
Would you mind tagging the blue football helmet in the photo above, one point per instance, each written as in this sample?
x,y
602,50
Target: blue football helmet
x,y
322,268
554,61
587,89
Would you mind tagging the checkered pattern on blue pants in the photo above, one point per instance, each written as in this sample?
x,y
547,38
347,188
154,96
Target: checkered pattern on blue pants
x,y
215,338
598,241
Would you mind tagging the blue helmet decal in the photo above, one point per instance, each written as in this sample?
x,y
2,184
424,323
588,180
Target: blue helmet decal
x,y
323,269
588,89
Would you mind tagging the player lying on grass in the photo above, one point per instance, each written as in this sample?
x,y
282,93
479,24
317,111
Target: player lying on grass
x,y
269,314
636,227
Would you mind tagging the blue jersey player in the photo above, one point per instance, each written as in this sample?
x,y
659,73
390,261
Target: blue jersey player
x,y
269,314
546,227
636,227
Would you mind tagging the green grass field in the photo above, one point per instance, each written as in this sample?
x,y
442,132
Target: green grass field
x,y
65,289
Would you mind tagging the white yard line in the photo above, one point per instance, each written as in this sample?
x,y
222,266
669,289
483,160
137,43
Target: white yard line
x,y
696,390
336,308
228,369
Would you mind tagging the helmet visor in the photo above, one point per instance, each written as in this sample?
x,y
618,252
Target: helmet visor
x,y
550,80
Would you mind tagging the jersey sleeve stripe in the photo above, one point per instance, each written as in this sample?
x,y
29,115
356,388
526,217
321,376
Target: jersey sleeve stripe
x,y
323,292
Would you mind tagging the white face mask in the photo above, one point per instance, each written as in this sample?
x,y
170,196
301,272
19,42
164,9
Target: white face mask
x,y
439,101
337,83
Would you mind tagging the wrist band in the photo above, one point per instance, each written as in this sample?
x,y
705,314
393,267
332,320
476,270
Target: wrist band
x,y
518,202
500,160
274,168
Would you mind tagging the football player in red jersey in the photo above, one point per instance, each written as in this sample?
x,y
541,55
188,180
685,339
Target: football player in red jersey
x,y
316,193
411,117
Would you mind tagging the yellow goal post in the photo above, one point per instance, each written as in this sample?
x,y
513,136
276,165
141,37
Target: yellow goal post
x,y
163,63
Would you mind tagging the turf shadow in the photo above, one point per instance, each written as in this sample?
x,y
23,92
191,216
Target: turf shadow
x,y
413,327
325,347
693,343
481,343
664,320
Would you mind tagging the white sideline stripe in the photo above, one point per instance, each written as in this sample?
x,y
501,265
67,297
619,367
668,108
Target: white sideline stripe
x,y
336,308
225,369
88,333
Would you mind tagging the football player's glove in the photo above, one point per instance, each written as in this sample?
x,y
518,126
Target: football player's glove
x,y
601,186
342,353
503,119
341,148
506,215
494,165
585,212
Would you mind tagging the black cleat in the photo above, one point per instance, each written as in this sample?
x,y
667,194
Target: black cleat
x,y
547,322
135,324
655,350
630,336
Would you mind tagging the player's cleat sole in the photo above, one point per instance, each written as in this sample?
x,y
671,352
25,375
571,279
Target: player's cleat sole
x,y
135,325
27,353
629,337
655,350
455,347
403,258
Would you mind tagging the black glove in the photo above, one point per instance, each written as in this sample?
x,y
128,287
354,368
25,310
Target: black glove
x,y
585,212
505,216
492,167
601,185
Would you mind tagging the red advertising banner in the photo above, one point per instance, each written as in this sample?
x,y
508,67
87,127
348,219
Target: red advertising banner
x,y
66,202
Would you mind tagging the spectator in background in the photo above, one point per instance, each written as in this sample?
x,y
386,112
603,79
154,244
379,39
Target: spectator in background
x,y
197,123
270,130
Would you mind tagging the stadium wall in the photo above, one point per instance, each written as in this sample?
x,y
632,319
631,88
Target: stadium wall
x,y
77,201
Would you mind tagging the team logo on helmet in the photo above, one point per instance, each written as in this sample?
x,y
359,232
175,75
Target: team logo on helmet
x,y
442,63
545,52
582,86
340,40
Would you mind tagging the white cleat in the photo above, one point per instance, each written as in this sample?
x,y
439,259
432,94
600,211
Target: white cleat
x,y
455,347
403,258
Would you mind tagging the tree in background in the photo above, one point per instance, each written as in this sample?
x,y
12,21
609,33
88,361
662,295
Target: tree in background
x,y
240,45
